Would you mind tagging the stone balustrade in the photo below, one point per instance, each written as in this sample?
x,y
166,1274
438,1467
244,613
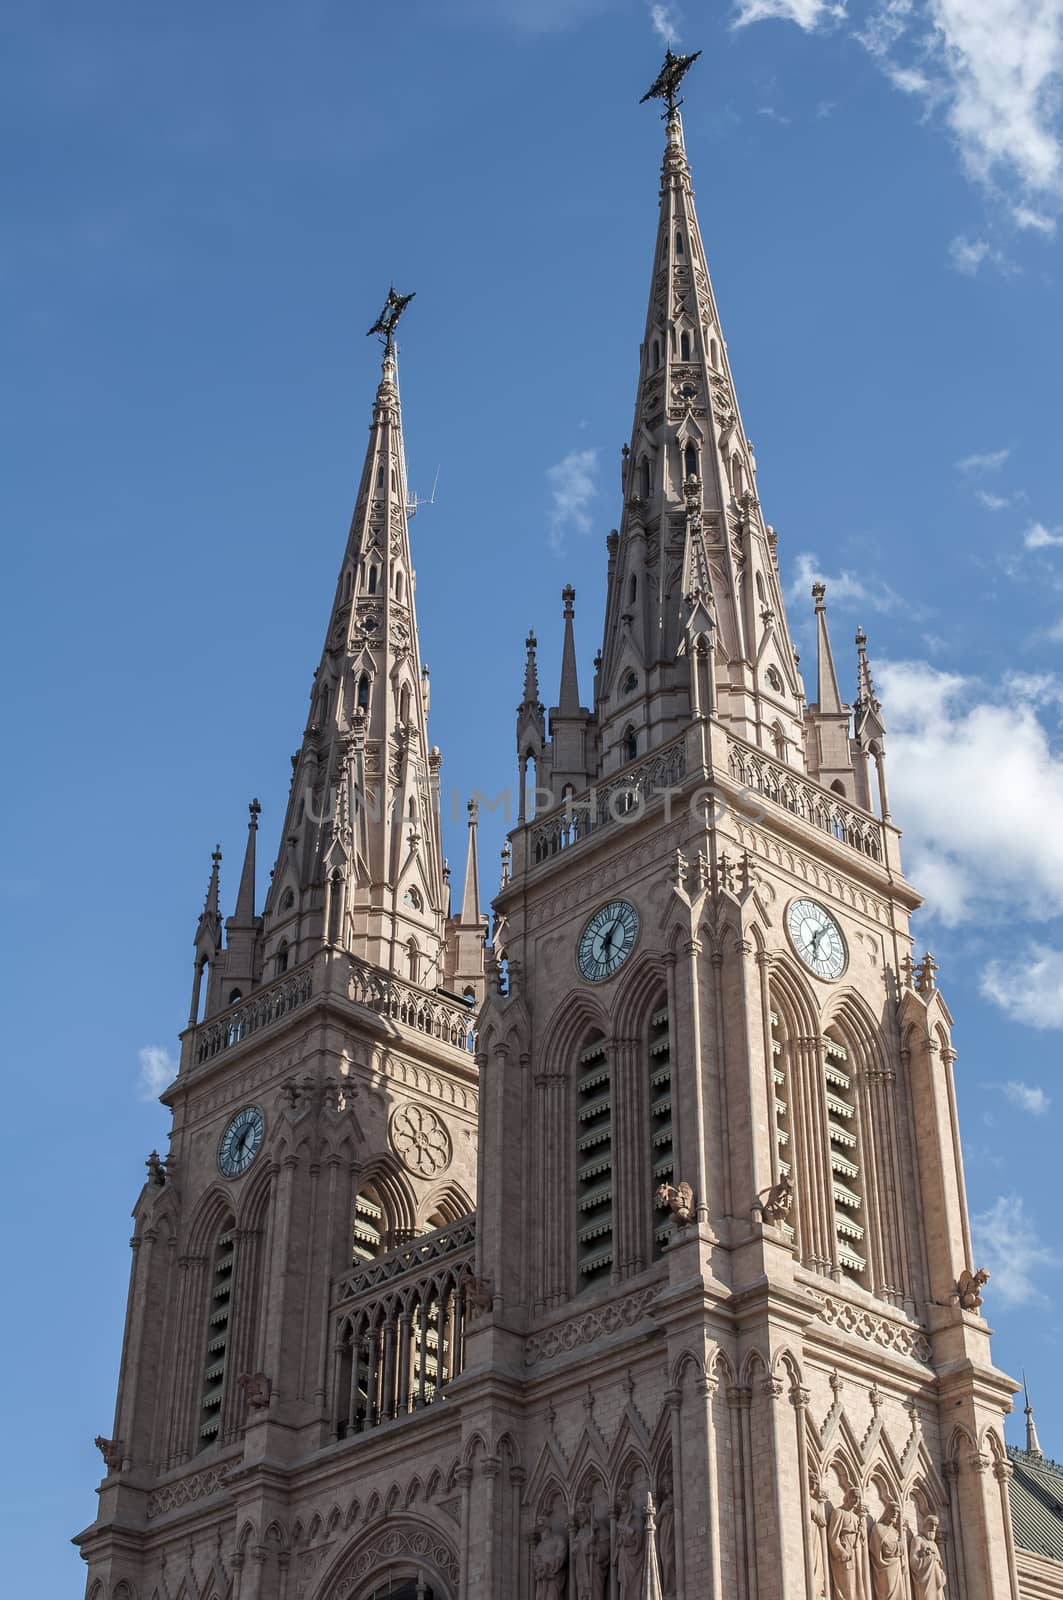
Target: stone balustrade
x,y
426,1011
622,796
780,785
246,1017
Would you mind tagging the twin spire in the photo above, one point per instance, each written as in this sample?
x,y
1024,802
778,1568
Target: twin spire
x,y
695,621
360,866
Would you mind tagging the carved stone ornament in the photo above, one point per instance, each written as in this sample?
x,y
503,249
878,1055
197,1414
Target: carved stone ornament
x,y
255,1387
777,1204
478,1294
420,1140
969,1288
925,1564
679,1198
111,1451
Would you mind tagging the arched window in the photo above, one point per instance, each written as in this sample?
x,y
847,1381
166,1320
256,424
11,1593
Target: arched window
x,y
779,741
594,1164
404,703
738,477
645,481
630,682
234,996
714,353
774,680
370,1227
631,743
370,586
844,1153
398,585
287,900
413,960
412,898
659,1069
347,584
684,346
679,244
690,462
280,964
363,692
632,589
216,1356
656,354
394,485
380,476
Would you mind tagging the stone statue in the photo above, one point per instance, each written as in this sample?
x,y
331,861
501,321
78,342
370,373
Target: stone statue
x,y
584,1564
679,1198
969,1288
925,1563
780,1198
256,1390
666,1536
602,1558
818,1536
630,1547
111,1451
549,1562
886,1555
843,1538
478,1295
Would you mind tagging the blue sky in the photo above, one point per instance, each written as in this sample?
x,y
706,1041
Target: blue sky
x,y
201,215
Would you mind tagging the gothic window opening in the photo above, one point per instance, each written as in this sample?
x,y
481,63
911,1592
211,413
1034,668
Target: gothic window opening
x,y
684,347
404,703
380,476
629,683
287,900
234,996
594,1165
281,958
844,1161
679,244
690,462
631,744
363,692
656,354
774,681
738,480
661,1146
370,587
632,589
215,1363
347,584
714,353
370,1227
412,898
645,483
413,961
398,586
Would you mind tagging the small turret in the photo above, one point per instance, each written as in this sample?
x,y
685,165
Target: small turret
x,y
531,730
827,721
868,734
208,934
242,929
572,762
464,961
1033,1443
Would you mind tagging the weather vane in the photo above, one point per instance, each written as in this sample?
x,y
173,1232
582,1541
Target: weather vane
x,y
667,81
386,323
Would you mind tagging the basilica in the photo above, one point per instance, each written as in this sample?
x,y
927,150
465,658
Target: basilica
x,y
616,1246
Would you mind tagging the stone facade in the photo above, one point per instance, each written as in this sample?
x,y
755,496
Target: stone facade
x,y
713,1326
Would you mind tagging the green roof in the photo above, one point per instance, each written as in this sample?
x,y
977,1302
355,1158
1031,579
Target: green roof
x,y
1036,1492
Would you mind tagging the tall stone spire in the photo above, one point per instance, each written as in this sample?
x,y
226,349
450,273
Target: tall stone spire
x,y
243,928
695,561
466,932
360,863
869,734
531,729
570,723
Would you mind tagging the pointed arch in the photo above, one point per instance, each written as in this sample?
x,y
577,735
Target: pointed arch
x,y
448,1202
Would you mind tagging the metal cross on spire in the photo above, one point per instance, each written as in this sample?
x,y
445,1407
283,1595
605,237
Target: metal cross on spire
x,y
386,323
666,84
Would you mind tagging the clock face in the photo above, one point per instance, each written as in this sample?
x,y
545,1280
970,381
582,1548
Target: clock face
x,y
607,940
241,1141
817,939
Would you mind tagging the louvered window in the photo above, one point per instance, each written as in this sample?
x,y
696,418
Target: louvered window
x,y
594,1165
218,1325
783,1122
368,1227
846,1181
663,1170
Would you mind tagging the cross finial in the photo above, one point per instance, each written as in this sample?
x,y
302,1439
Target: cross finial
x,y
667,81
386,323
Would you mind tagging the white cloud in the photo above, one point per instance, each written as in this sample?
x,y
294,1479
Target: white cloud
x,y
808,14
1055,633
572,488
989,461
666,22
992,502
1025,217
1038,537
988,838
157,1069
1028,988
1027,1098
1006,1242
844,588
967,255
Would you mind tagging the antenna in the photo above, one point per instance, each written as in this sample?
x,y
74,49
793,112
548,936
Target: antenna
x,y
413,503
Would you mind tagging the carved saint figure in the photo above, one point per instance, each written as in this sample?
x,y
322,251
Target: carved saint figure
x,y
886,1556
602,1558
666,1537
925,1563
630,1538
584,1565
843,1537
549,1560
819,1535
